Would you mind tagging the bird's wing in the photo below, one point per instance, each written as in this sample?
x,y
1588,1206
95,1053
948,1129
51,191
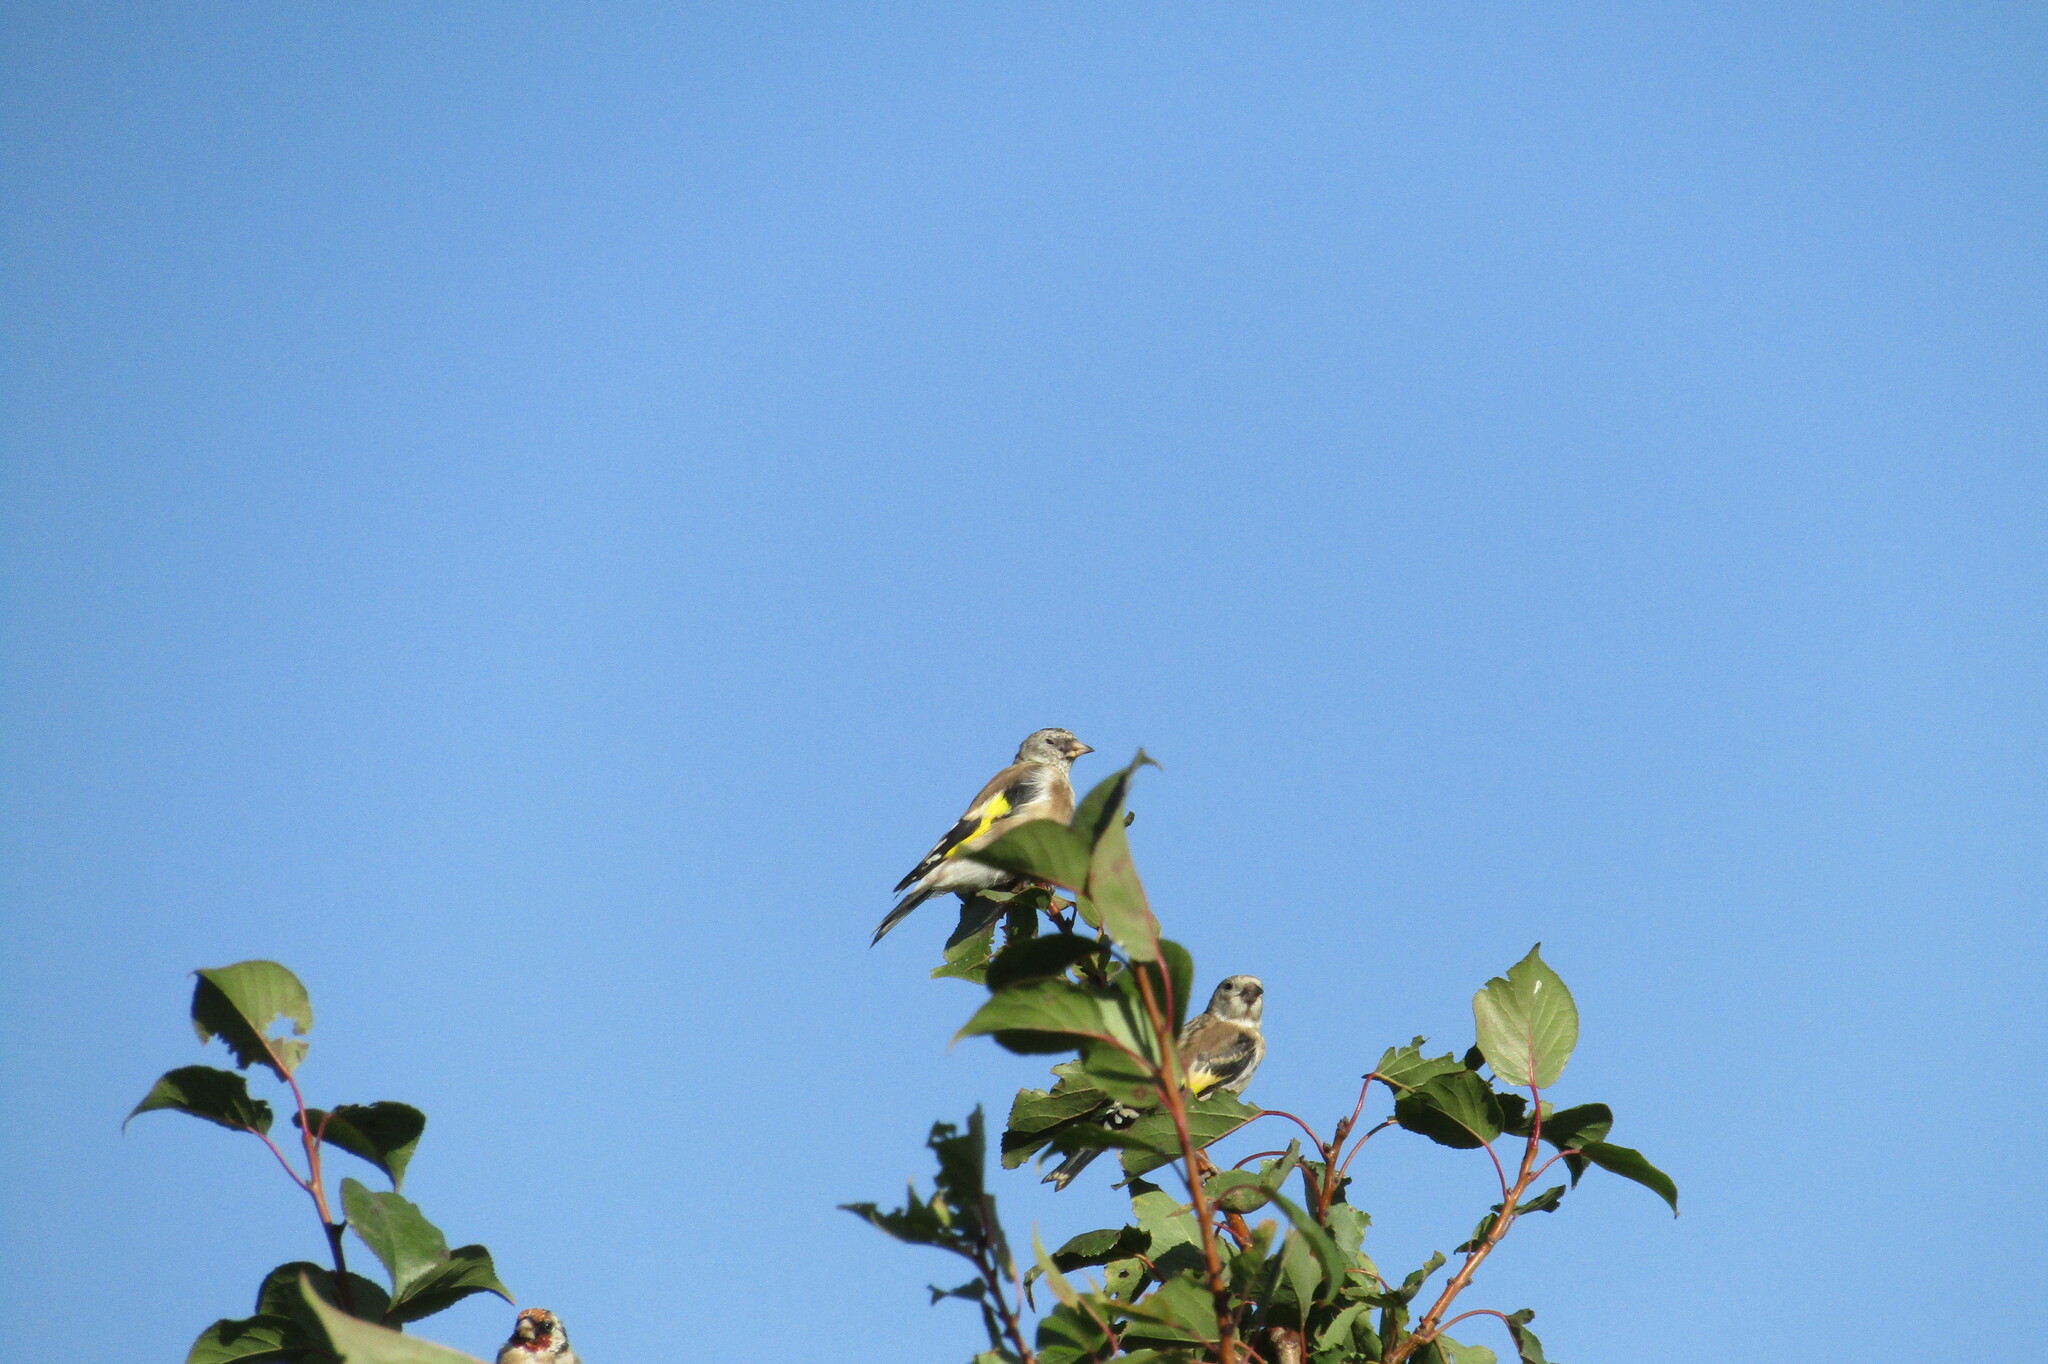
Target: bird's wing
x,y
1218,1054
1008,793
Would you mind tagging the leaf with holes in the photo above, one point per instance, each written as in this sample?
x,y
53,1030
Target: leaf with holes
x,y
240,1004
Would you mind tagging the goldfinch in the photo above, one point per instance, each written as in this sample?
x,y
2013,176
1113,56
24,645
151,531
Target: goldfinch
x,y
1219,1049
538,1338
1038,785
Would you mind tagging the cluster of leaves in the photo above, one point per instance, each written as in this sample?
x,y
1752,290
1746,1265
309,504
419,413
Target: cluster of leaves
x,y
297,1304
1187,1279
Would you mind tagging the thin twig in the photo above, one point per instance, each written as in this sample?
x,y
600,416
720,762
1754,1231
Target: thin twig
x,y
1428,1328
1168,1074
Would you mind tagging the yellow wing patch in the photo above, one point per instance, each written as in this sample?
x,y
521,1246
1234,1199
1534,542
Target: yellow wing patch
x,y
1199,1080
997,807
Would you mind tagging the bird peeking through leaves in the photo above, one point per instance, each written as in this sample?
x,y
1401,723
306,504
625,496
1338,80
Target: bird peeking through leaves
x,y
538,1338
1038,785
1219,1049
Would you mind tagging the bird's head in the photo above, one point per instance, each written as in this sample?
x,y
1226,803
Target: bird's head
x,y
1051,746
1241,999
539,1330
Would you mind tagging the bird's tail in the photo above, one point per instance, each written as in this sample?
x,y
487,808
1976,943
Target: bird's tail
x,y
1119,1117
1063,1174
901,912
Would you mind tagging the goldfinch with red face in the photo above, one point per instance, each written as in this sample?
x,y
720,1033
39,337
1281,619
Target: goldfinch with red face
x,y
538,1338
1219,1050
1038,785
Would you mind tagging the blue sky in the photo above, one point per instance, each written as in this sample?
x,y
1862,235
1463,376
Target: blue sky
x,y
535,516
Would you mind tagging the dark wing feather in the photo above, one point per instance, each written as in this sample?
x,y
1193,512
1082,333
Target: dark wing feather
x,y
1018,784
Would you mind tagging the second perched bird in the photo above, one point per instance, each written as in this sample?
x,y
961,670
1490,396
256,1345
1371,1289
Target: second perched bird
x,y
538,1338
1038,785
1219,1049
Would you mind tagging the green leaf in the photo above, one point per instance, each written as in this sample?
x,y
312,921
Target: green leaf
x,y
1347,1225
359,1342
1105,801
1571,1127
1210,1119
384,1133
1238,1191
1100,1247
1055,1016
1044,850
1057,1281
1166,1220
1455,1353
967,957
1546,1201
915,1223
1629,1164
1299,1274
397,1233
218,1096
280,1296
1040,959
1036,1114
1528,1024
425,1275
1333,1260
1178,978
1407,1068
252,1340
1341,1339
1526,1345
1119,897
1181,1303
1456,1110
241,1003
1412,1285
467,1270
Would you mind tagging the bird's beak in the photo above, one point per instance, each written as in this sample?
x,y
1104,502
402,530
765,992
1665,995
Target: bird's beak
x,y
1080,748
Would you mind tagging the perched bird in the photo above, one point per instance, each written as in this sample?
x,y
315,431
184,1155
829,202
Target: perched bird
x,y
538,1338
1219,1049
1038,785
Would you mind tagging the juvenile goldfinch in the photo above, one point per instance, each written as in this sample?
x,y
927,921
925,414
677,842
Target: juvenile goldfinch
x,y
1038,785
1219,1049
538,1338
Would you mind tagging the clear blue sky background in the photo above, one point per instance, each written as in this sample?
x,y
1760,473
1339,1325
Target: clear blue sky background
x,y
536,515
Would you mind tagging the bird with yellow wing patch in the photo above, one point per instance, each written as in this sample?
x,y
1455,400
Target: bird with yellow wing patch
x,y
1038,785
1219,1049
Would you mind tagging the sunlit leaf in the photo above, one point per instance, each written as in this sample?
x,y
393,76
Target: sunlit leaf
x,y
1043,850
1528,1024
240,1004
1407,1068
